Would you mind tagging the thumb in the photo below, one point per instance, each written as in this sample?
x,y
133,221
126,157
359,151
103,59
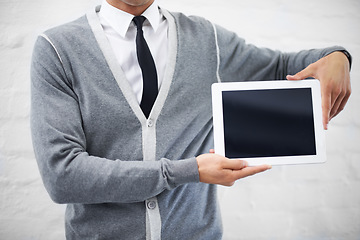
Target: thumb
x,y
305,73
235,164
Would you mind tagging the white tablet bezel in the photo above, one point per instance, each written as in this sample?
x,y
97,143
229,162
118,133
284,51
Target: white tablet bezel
x,y
218,88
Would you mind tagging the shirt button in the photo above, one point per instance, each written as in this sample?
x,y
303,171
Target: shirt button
x,y
151,205
150,123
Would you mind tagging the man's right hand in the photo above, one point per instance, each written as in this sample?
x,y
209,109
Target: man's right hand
x,y
216,169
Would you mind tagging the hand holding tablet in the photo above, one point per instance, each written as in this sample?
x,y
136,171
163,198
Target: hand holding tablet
x,y
269,122
217,169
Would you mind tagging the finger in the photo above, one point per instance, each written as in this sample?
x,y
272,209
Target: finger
x,y
337,100
249,171
340,106
234,164
305,73
326,105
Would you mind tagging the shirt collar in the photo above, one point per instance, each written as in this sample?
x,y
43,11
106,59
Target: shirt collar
x,y
121,20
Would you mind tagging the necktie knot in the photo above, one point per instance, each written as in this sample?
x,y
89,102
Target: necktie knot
x,y
139,20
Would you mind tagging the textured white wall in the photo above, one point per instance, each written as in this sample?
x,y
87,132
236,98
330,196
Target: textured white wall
x,y
292,202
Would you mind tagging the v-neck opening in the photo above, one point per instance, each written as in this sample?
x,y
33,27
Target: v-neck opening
x,y
119,74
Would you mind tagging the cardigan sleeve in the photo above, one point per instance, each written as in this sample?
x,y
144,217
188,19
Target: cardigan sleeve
x,y
245,62
70,174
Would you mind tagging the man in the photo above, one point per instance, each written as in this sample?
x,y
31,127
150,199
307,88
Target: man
x,y
129,175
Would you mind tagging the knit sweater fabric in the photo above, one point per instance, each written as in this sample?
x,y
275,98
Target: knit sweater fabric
x,y
121,175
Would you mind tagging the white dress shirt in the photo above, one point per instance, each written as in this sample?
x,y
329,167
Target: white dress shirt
x,y
121,33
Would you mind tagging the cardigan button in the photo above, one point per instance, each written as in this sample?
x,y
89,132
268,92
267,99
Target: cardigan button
x,y
150,123
151,205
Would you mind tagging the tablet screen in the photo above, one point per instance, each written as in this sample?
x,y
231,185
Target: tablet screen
x,y
268,123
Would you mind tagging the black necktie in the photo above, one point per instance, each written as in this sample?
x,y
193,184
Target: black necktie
x,y
147,65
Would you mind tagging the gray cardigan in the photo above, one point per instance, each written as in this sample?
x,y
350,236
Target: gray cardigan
x,y
121,175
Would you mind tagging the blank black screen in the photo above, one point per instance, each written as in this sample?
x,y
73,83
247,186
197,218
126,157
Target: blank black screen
x,y
268,123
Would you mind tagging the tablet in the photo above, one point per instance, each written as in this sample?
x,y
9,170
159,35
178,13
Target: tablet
x,y
269,122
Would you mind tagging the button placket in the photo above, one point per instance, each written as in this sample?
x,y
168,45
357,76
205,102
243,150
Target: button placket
x,y
151,205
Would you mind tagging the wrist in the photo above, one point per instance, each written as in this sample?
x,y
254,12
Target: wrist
x,y
348,56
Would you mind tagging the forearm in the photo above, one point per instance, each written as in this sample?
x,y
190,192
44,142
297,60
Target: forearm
x,y
80,178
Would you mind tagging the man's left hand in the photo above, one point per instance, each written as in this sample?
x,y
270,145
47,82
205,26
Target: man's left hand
x,y
333,71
